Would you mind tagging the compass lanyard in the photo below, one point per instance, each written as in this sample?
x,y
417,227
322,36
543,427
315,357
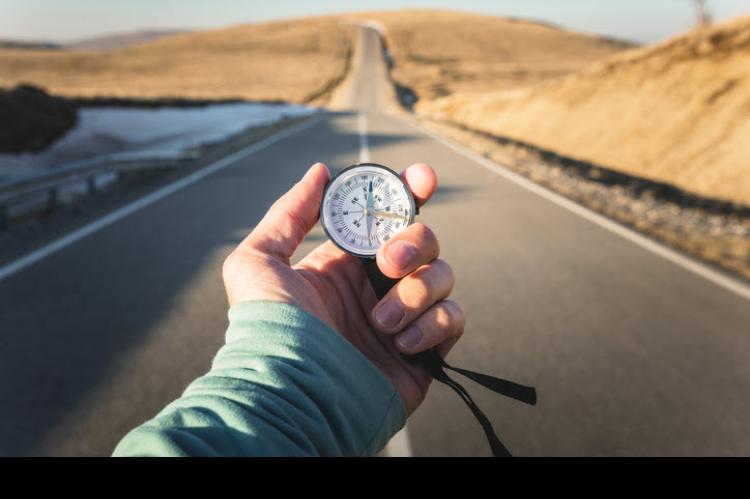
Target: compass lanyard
x,y
434,364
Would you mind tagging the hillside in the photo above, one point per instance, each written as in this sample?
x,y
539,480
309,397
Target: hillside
x,y
438,52
124,39
296,61
674,112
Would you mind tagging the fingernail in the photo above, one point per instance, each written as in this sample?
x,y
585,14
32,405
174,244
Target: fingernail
x,y
389,313
314,166
410,338
400,253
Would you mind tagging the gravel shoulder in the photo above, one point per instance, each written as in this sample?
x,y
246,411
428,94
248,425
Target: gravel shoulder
x,y
713,231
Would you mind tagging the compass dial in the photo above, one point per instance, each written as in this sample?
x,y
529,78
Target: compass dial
x,y
365,206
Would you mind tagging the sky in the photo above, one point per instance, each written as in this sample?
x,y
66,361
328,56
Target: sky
x,y
66,20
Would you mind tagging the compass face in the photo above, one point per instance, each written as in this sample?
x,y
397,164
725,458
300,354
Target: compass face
x,y
365,206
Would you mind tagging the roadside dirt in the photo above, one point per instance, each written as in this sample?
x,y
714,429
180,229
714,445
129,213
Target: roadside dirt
x,y
714,231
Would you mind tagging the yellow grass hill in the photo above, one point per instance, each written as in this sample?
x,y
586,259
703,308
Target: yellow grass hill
x,y
674,112
297,61
441,52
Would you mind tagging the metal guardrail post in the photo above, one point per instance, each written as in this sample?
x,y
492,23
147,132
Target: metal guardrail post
x,y
51,183
52,199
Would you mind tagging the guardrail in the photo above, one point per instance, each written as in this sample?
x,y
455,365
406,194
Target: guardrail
x,y
44,192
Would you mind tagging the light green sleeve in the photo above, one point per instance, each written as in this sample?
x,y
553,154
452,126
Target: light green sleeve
x,y
285,384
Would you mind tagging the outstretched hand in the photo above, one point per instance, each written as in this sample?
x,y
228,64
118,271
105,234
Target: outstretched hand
x,y
332,285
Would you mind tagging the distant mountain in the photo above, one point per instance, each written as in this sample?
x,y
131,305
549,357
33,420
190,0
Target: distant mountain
x,y
107,41
15,44
121,39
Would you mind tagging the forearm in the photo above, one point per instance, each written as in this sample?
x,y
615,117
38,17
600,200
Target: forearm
x,y
284,384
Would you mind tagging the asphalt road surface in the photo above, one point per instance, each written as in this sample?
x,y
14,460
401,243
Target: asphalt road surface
x,y
631,351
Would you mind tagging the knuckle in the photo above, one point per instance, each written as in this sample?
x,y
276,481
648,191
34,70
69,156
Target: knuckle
x,y
416,289
241,259
427,285
230,264
425,233
295,224
456,315
437,279
445,271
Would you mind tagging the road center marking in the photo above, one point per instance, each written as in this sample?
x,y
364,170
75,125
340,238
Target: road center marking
x,y
364,147
399,445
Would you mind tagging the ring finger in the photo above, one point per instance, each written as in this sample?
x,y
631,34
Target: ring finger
x,y
412,296
443,323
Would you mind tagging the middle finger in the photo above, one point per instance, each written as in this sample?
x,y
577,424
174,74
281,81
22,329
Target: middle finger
x,y
412,295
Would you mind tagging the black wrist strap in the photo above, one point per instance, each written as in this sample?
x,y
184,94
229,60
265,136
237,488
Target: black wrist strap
x,y
431,361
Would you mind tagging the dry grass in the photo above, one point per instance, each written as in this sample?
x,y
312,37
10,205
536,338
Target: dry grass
x,y
437,53
676,112
442,52
295,61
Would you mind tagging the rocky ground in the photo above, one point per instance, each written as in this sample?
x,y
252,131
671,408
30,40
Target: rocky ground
x,y
30,119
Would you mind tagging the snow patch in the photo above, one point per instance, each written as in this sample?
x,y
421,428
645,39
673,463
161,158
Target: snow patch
x,y
143,133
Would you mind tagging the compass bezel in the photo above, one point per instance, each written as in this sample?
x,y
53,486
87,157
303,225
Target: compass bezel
x,y
323,218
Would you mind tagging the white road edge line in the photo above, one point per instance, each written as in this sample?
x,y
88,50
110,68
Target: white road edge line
x,y
65,241
399,445
364,147
730,284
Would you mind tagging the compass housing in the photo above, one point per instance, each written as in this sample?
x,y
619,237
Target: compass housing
x,y
345,230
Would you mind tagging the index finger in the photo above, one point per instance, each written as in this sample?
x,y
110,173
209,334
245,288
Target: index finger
x,y
422,181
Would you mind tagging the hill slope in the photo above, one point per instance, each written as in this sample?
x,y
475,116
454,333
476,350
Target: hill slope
x,y
440,52
675,112
295,61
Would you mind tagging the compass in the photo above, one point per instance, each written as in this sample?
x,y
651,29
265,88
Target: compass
x,y
364,206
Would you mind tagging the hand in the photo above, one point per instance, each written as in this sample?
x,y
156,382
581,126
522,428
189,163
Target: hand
x,y
331,284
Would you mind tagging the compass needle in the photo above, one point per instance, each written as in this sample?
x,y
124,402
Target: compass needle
x,y
369,211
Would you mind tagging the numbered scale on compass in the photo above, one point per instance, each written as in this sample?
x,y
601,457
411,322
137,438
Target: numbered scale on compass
x,y
364,206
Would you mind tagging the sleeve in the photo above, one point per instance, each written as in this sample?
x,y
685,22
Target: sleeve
x,y
284,384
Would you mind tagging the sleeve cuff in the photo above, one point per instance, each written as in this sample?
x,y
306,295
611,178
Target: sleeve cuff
x,y
361,406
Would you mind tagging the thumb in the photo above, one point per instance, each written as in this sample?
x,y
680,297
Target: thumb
x,y
292,216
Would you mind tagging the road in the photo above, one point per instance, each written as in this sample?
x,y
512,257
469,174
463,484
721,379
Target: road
x,y
632,351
